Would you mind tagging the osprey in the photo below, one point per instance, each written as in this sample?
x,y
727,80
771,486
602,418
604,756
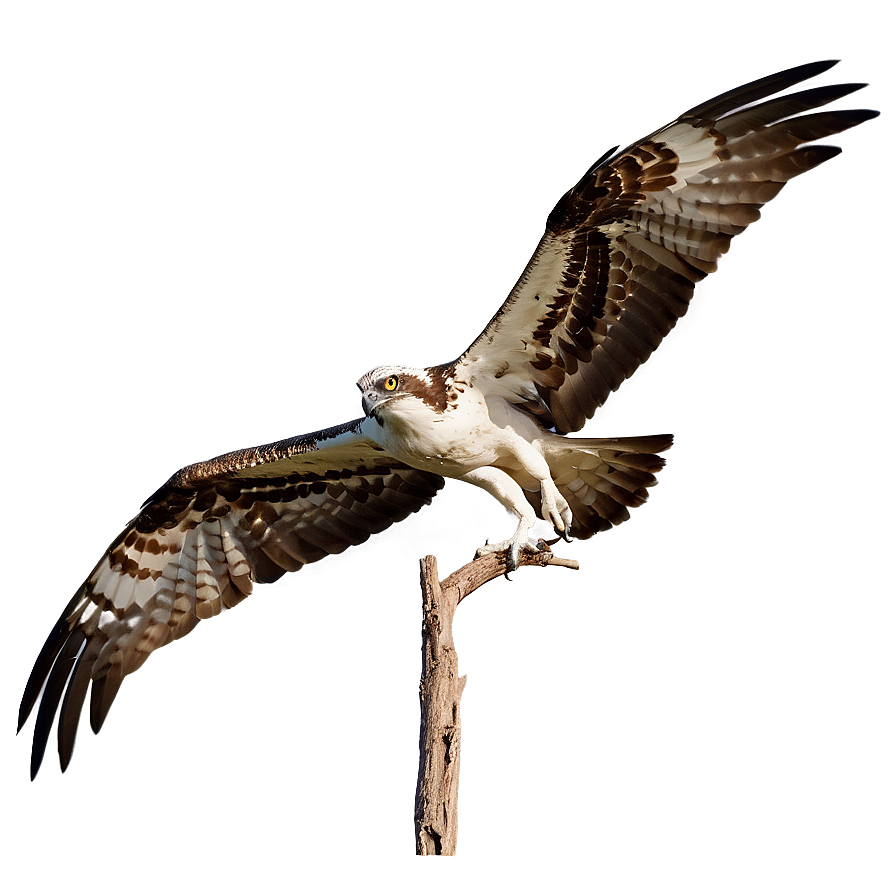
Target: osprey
x,y
614,271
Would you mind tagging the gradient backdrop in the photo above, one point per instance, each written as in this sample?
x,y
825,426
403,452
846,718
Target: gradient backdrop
x,y
215,217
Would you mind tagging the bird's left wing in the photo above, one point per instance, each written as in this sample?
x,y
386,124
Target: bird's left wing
x,y
623,249
196,548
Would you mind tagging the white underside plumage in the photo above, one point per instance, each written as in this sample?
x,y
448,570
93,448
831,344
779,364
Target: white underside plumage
x,y
615,270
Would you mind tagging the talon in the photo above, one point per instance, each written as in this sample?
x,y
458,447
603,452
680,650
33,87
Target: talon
x,y
568,521
512,548
555,509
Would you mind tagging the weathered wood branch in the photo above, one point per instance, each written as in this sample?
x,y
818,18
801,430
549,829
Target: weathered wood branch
x,y
435,813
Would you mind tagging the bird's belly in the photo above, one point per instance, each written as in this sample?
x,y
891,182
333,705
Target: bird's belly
x,y
451,451
456,460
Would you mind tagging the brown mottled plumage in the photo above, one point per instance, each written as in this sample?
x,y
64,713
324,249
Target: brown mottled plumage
x,y
196,548
613,273
623,249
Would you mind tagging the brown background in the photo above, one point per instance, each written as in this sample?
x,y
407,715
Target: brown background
x,y
216,216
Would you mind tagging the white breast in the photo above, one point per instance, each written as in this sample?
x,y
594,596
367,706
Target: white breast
x,y
451,442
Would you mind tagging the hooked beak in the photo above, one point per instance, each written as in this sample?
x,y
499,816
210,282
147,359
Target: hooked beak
x,y
369,401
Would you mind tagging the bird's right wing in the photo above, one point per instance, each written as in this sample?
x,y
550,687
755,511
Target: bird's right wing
x,y
196,548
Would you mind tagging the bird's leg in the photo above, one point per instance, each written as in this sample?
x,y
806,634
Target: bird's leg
x,y
499,485
554,509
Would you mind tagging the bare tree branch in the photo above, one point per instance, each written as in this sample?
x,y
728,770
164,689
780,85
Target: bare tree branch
x,y
435,813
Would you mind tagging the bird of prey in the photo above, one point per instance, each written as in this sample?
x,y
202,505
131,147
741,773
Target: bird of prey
x,y
613,273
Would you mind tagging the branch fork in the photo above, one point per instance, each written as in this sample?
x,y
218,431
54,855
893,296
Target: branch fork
x,y
435,813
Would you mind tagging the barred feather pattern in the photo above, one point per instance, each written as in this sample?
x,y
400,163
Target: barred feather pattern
x,y
624,248
613,273
602,478
196,549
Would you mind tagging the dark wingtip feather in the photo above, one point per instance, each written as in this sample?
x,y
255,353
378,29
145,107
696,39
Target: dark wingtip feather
x,y
37,756
101,696
72,703
811,68
857,116
41,669
56,682
831,92
758,89
812,156
38,748
24,712
45,660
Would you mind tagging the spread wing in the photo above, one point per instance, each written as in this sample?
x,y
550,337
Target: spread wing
x,y
625,246
196,548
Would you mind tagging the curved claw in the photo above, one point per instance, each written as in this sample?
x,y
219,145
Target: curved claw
x,y
555,510
512,547
513,558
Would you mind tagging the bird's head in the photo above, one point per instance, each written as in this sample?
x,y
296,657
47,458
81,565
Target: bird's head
x,y
384,385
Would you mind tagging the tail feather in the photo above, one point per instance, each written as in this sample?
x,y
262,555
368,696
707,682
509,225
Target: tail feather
x,y
602,478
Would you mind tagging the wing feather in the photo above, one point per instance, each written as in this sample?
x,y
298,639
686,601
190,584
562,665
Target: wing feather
x,y
197,547
624,248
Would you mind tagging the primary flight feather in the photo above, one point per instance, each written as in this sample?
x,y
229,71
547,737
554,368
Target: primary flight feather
x,y
614,271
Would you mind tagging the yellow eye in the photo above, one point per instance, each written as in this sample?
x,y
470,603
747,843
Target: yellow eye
x,y
391,384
